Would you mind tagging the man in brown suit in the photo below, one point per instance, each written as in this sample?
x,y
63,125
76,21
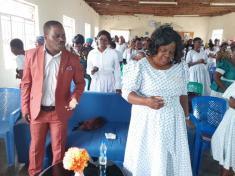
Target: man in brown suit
x,y
47,102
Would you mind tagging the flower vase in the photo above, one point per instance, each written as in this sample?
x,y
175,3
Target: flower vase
x,y
78,174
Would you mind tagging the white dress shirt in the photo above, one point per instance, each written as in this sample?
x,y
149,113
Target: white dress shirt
x,y
20,62
51,70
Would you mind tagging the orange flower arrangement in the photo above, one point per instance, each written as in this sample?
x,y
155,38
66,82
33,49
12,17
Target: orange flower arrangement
x,y
76,159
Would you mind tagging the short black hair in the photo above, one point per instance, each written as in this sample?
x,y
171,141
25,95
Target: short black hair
x,y
164,35
224,44
49,24
106,33
17,43
112,44
138,39
197,39
79,39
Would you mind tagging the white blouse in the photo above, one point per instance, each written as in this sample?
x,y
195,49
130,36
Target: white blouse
x,y
194,56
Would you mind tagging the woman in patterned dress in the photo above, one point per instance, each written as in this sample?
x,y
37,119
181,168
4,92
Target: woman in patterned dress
x,y
157,142
223,140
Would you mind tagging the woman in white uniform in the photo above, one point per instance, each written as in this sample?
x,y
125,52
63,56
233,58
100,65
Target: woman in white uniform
x,y
103,66
223,140
157,142
196,60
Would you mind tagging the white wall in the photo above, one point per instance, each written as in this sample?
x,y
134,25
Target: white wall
x,y
53,10
225,22
139,24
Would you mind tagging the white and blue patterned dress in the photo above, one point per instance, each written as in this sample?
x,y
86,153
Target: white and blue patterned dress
x,y
157,142
223,140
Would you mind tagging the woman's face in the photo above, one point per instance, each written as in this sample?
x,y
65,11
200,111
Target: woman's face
x,y
165,54
197,44
103,41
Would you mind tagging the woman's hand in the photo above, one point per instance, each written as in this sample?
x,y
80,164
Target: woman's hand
x,y
189,123
232,102
94,70
154,102
201,61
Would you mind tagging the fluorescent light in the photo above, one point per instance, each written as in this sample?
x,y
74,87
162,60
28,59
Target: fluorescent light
x,y
186,15
222,4
158,2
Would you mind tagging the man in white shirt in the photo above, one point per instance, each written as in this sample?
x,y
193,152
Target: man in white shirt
x,y
17,48
46,100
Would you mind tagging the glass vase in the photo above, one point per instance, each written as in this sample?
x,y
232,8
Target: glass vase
x,y
78,174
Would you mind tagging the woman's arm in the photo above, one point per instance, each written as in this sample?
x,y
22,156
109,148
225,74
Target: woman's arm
x,y
232,102
200,61
154,102
184,104
217,78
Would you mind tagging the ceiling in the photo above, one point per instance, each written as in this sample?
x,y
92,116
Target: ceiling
x,y
183,7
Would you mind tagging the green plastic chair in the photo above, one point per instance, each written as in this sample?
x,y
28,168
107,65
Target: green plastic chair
x,y
195,87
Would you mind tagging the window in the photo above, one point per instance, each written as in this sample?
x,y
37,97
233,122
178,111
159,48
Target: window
x,y
16,24
87,30
96,31
124,33
217,34
69,27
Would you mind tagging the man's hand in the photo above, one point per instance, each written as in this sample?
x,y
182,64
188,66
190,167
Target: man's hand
x,y
94,70
72,104
154,102
27,118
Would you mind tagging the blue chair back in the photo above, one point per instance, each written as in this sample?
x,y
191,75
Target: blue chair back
x,y
9,102
9,114
110,106
209,109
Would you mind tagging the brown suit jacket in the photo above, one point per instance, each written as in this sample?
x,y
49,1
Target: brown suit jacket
x,y
32,82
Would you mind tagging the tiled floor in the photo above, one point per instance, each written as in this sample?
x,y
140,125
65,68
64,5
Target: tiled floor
x,y
208,168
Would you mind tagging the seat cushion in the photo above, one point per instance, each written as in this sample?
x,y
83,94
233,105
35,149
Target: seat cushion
x,y
4,127
91,140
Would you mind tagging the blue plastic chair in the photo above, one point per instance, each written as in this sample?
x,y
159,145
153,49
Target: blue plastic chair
x,y
9,114
22,143
207,114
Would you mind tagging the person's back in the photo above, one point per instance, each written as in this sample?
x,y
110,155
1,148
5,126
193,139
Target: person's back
x,y
17,48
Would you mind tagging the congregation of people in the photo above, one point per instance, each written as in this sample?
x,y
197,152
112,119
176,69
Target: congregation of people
x,y
151,73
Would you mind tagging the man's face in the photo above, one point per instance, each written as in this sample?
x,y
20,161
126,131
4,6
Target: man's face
x,y
55,39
